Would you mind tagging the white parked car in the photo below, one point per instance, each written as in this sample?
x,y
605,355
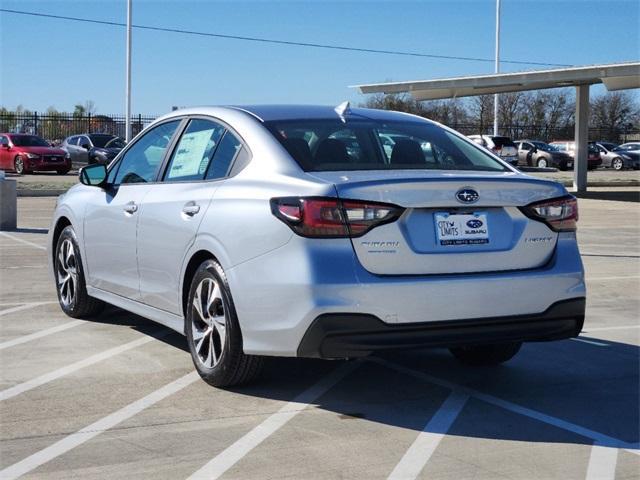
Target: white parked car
x,y
501,146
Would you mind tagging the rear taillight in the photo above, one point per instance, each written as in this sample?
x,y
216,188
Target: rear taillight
x,y
561,214
332,217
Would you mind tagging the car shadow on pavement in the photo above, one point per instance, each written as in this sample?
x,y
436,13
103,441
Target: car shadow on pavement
x,y
42,231
613,195
592,386
551,392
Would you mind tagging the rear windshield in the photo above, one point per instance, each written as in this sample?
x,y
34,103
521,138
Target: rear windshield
x,y
333,145
502,142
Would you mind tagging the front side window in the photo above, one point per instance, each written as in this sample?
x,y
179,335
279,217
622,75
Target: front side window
x,y
195,149
331,145
141,162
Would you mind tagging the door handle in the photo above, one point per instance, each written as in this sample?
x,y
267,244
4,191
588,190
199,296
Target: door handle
x,y
191,209
131,208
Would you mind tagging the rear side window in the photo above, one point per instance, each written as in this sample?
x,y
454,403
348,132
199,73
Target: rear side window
x,y
195,149
332,145
223,157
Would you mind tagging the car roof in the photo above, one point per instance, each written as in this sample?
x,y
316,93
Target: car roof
x,y
268,113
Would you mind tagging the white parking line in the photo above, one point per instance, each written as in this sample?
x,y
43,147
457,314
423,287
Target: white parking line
x,y
591,342
61,372
597,437
87,433
20,240
602,463
428,440
24,306
604,329
619,277
40,334
235,452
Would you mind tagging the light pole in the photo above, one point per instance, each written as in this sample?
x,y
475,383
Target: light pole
x,y
128,81
496,96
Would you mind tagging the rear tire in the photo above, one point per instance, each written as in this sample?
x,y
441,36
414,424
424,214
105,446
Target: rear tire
x,y
70,281
213,332
478,355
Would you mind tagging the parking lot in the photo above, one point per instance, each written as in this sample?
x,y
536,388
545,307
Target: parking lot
x,y
117,396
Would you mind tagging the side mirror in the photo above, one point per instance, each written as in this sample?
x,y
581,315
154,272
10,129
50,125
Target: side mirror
x,y
94,175
86,146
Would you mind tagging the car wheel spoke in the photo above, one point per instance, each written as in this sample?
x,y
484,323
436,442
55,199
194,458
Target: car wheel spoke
x,y
209,326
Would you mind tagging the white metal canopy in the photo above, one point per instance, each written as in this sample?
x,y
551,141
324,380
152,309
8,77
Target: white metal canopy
x,y
620,76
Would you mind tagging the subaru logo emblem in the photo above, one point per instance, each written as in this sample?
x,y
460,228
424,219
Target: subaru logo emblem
x,y
474,223
467,195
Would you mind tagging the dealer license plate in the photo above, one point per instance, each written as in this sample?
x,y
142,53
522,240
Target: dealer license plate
x,y
461,229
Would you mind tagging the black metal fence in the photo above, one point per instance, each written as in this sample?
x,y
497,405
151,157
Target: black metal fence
x,y
56,127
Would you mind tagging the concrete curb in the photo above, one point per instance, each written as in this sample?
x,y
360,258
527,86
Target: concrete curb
x,y
40,193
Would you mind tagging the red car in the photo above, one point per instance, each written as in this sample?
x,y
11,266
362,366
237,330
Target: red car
x,y
27,153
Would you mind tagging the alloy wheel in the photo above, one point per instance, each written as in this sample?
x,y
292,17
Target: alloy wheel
x,y
19,165
67,273
209,323
542,163
617,164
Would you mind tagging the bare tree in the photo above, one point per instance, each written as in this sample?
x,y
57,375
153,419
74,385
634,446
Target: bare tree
x,y
481,109
613,112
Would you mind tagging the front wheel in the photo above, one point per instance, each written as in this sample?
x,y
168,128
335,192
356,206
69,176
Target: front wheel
x,y
18,165
486,354
617,163
70,281
213,331
542,163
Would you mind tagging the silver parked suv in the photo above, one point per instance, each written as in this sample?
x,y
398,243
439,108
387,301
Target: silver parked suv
x,y
292,231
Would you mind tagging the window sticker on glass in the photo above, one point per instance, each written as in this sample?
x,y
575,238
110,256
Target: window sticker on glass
x,y
190,159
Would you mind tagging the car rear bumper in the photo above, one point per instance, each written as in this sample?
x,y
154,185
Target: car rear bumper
x,y
278,296
347,335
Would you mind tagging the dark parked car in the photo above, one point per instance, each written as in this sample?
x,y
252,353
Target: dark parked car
x,y
569,147
93,147
29,153
534,153
616,157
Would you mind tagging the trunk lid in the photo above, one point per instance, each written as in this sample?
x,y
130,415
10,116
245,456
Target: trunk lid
x,y
497,235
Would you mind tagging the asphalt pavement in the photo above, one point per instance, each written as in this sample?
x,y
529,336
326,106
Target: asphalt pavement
x,y
117,396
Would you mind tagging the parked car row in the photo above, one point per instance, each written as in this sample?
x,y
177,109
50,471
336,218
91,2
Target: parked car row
x,y
25,153
560,153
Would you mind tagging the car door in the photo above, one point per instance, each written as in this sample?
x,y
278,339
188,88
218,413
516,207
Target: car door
x,y
73,149
174,208
84,145
524,153
112,214
5,156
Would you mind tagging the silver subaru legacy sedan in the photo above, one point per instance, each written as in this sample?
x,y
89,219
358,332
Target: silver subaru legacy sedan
x,y
321,232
